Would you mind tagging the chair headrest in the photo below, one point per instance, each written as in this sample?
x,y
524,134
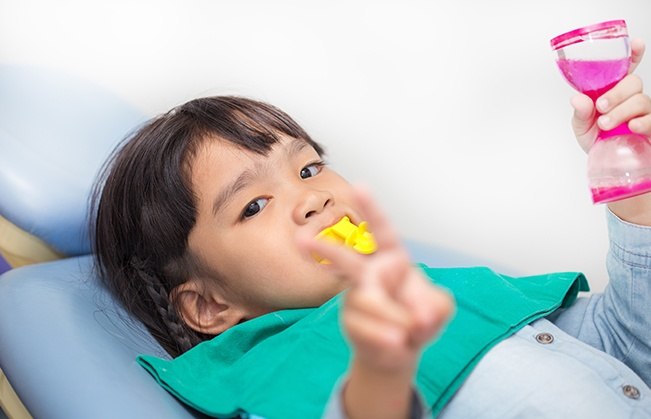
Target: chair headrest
x,y
56,131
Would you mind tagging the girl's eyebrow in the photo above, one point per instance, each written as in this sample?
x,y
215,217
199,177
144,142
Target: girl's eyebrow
x,y
295,146
248,175
229,191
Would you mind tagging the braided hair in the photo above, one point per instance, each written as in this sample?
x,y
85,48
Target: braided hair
x,y
177,332
144,207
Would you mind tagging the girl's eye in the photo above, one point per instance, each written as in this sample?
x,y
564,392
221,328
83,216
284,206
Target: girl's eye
x,y
311,170
254,207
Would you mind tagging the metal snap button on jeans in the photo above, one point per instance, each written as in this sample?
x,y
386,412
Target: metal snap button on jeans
x,y
631,392
545,338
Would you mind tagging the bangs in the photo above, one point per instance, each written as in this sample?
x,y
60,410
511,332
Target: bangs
x,y
249,124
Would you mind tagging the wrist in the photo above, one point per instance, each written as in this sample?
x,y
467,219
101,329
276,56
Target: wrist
x,y
371,372
635,210
370,392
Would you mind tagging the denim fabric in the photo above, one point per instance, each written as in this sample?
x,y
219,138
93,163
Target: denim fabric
x,y
592,360
566,378
619,320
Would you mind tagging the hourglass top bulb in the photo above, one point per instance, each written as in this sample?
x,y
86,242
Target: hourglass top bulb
x,y
595,57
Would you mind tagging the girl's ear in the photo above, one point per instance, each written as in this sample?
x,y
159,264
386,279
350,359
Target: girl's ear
x,y
205,310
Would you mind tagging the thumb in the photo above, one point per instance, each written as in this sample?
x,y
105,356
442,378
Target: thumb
x,y
584,120
584,114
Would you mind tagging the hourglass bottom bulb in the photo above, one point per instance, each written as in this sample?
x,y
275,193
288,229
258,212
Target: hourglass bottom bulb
x,y
619,167
615,193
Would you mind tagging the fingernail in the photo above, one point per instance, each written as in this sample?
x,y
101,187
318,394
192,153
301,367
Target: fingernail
x,y
604,122
602,104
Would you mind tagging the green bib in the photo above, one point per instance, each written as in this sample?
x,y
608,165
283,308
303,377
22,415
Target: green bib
x,y
286,364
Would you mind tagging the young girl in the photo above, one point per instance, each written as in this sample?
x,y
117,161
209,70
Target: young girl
x,y
205,227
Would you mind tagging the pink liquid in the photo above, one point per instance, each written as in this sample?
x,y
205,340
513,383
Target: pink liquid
x,y
593,78
603,195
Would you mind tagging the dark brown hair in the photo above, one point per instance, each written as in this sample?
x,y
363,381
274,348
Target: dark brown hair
x,y
144,207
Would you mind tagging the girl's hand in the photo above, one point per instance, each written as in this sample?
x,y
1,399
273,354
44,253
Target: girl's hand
x,y
391,310
624,102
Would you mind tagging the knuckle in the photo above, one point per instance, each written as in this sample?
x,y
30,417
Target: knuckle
x,y
644,125
446,303
643,103
401,257
637,82
647,101
354,301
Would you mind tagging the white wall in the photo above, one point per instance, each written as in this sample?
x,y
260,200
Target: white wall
x,y
452,111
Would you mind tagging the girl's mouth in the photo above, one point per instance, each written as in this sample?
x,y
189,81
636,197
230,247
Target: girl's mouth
x,y
344,232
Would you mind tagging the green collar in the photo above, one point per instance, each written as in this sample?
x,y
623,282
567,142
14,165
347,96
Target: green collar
x,y
286,364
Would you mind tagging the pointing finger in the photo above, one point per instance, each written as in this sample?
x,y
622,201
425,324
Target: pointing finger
x,y
341,258
385,236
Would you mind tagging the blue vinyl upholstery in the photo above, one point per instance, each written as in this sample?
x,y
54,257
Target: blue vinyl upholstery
x,y
56,130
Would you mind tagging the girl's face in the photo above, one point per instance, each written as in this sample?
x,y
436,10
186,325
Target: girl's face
x,y
250,210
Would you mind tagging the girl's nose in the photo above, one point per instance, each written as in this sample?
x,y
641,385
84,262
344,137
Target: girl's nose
x,y
311,203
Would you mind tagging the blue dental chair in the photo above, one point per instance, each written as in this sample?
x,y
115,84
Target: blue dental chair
x,y
67,349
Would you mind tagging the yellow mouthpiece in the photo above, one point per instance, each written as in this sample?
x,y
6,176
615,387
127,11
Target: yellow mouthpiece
x,y
345,232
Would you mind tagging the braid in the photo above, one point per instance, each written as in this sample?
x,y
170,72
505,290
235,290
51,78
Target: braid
x,y
178,337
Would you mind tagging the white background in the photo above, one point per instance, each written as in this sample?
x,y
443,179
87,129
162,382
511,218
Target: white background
x,y
452,111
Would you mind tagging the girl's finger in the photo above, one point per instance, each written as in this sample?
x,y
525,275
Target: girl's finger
x,y
628,87
373,302
641,125
584,112
383,232
635,106
637,52
344,260
430,311
584,120
370,333
390,270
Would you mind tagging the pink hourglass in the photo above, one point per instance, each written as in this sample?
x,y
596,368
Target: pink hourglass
x,y
593,59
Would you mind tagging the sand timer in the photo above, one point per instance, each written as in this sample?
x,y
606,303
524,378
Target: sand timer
x,y
593,59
